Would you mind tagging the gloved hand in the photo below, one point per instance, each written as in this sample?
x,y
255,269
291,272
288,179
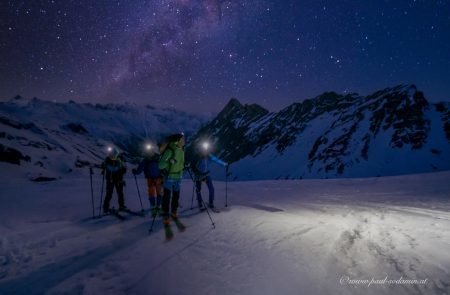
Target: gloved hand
x,y
187,165
172,161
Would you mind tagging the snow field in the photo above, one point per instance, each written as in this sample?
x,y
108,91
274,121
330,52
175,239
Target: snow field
x,y
276,237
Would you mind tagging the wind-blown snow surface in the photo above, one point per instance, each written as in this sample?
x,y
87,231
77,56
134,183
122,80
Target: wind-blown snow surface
x,y
276,237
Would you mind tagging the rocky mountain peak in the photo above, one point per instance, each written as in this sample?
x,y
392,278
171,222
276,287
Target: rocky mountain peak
x,y
334,134
235,109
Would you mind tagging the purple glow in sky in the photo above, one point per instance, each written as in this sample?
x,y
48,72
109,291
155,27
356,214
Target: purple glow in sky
x,y
195,55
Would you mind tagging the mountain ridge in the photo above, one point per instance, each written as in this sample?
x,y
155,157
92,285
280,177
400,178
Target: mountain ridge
x,y
56,139
331,133
392,131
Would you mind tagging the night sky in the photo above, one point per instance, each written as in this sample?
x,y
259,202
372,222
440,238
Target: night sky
x,y
194,55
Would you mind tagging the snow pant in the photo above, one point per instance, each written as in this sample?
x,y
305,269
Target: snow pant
x,y
110,185
198,186
171,189
154,186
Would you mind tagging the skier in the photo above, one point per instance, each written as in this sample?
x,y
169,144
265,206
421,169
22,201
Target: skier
x,y
172,165
202,174
114,169
150,166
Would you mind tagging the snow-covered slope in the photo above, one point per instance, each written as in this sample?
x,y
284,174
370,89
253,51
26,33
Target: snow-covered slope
x,y
276,237
391,132
53,139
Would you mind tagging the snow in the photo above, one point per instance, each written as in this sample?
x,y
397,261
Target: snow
x,y
54,148
383,159
276,237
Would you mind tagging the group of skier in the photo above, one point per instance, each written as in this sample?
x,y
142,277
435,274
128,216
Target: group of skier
x,y
163,167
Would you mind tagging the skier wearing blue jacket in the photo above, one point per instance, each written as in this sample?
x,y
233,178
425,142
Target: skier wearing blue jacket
x,y
150,166
202,174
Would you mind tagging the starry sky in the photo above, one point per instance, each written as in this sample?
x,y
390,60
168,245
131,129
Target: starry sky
x,y
196,54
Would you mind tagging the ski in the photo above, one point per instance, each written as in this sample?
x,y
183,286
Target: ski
x,y
131,212
215,210
168,232
181,227
116,213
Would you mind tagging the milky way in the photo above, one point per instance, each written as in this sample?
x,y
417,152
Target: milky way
x,y
195,55
177,46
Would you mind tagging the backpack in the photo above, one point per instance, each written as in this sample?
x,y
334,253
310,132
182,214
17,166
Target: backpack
x,y
165,145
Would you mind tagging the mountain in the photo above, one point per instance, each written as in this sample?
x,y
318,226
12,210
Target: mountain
x,y
390,132
52,139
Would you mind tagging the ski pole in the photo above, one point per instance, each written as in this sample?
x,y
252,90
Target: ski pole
x,y
192,199
92,192
151,226
204,205
226,186
139,193
193,187
101,194
209,215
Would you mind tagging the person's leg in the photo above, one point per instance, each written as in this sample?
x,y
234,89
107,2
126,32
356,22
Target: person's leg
x,y
151,186
211,191
175,198
109,192
168,186
158,184
119,190
151,189
198,189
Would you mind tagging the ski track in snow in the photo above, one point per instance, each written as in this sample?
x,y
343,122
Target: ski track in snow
x,y
276,237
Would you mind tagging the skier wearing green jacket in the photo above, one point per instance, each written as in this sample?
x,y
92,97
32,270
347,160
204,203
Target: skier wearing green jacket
x,y
172,165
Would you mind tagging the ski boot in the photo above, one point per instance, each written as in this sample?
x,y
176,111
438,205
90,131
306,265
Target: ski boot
x,y
155,212
123,208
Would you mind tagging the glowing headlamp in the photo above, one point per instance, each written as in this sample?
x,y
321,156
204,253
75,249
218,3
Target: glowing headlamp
x,y
205,145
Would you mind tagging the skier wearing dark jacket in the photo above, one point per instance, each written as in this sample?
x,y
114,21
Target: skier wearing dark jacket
x,y
150,166
114,169
203,174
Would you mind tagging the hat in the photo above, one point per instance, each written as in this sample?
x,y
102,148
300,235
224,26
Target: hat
x,y
113,151
176,137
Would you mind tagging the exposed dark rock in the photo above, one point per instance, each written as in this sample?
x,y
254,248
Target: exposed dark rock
x,y
76,128
43,179
11,155
435,151
19,125
80,163
445,117
233,124
241,130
